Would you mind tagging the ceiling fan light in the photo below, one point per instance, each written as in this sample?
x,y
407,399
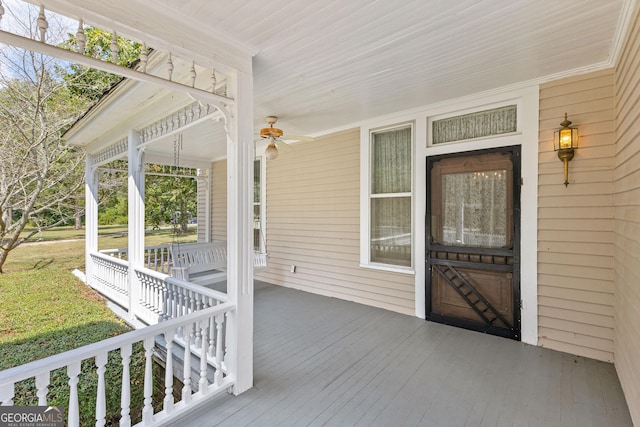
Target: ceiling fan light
x,y
271,153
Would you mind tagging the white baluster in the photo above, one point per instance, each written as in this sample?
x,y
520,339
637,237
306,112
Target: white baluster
x,y
193,74
217,378
226,341
42,24
186,382
212,332
101,401
144,57
73,371
147,410
165,305
170,67
125,397
203,358
7,393
81,37
214,81
42,384
168,372
115,49
198,336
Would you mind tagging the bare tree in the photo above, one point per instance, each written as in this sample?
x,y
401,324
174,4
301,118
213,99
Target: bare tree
x,y
40,176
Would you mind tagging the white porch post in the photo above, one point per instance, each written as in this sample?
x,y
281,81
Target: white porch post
x,y
91,214
135,247
239,236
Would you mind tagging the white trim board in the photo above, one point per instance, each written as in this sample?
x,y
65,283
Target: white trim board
x,y
527,100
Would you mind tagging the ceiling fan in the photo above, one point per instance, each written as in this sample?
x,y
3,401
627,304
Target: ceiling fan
x,y
275,138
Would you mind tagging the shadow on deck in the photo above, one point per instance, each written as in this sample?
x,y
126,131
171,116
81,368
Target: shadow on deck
x,y
324,361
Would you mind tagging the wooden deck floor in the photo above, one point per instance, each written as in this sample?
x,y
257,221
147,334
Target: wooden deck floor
x,y
323,361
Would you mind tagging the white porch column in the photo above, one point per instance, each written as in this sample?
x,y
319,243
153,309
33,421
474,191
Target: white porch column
x,y
239,234
135,248
91,214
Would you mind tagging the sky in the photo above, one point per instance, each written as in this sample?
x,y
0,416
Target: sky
x,y
21,18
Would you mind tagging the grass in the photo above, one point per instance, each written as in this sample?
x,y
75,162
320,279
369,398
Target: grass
x,y
57,251
68,232
46,311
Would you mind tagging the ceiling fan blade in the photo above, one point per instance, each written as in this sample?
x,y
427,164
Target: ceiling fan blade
x,y
283,145
298,138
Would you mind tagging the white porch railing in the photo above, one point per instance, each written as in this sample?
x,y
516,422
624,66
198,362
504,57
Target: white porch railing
x,y
156,258
160,257
163,297
203,329
109,276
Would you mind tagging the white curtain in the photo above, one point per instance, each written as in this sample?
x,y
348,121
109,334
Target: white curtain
x,y
474,209
391,197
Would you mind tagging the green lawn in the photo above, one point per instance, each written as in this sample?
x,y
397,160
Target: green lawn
x,y
45,310
60,250
49,311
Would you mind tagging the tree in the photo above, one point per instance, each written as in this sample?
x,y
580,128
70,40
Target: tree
x,y
39,174
41,178
169,199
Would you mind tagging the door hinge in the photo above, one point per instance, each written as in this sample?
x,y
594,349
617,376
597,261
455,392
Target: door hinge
x,y
521,182
521,305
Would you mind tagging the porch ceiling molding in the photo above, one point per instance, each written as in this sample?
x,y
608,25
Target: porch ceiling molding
x,y
115,151
178,121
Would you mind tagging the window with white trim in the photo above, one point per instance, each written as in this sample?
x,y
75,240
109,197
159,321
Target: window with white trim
x,y
258,207
391,196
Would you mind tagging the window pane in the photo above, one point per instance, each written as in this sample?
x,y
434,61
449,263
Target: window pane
x,y
475,209
256,206
391,161
391,230
475,125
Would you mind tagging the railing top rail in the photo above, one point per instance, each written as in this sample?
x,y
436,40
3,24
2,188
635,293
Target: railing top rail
x,y
220,296
155,274
29,370
146,248
109,258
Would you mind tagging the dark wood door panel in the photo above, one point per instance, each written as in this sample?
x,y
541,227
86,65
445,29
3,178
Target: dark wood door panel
x,y
473,241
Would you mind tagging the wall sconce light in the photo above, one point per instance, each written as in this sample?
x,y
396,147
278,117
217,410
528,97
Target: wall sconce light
x,y
565,141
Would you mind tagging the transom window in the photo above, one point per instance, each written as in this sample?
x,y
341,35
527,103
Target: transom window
x,y
479,124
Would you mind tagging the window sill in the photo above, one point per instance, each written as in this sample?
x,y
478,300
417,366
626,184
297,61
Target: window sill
x,y
389,268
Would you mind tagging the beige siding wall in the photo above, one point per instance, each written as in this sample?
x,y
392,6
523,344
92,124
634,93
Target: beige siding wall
x,y
575,224
219,200
627,222
313,220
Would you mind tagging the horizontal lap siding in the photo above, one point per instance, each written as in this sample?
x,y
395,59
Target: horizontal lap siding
x,y
219,200
575,223
313,222
202,208
627,221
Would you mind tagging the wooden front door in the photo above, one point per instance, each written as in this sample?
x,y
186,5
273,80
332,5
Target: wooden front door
x,y
473,241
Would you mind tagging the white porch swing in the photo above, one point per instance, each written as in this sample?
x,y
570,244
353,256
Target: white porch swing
x,y
205,263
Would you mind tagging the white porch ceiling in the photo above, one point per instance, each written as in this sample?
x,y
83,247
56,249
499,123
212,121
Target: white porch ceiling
x,y
323,65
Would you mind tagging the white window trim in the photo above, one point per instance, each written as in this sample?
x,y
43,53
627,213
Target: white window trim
x,y
527,137
366,196
263,199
